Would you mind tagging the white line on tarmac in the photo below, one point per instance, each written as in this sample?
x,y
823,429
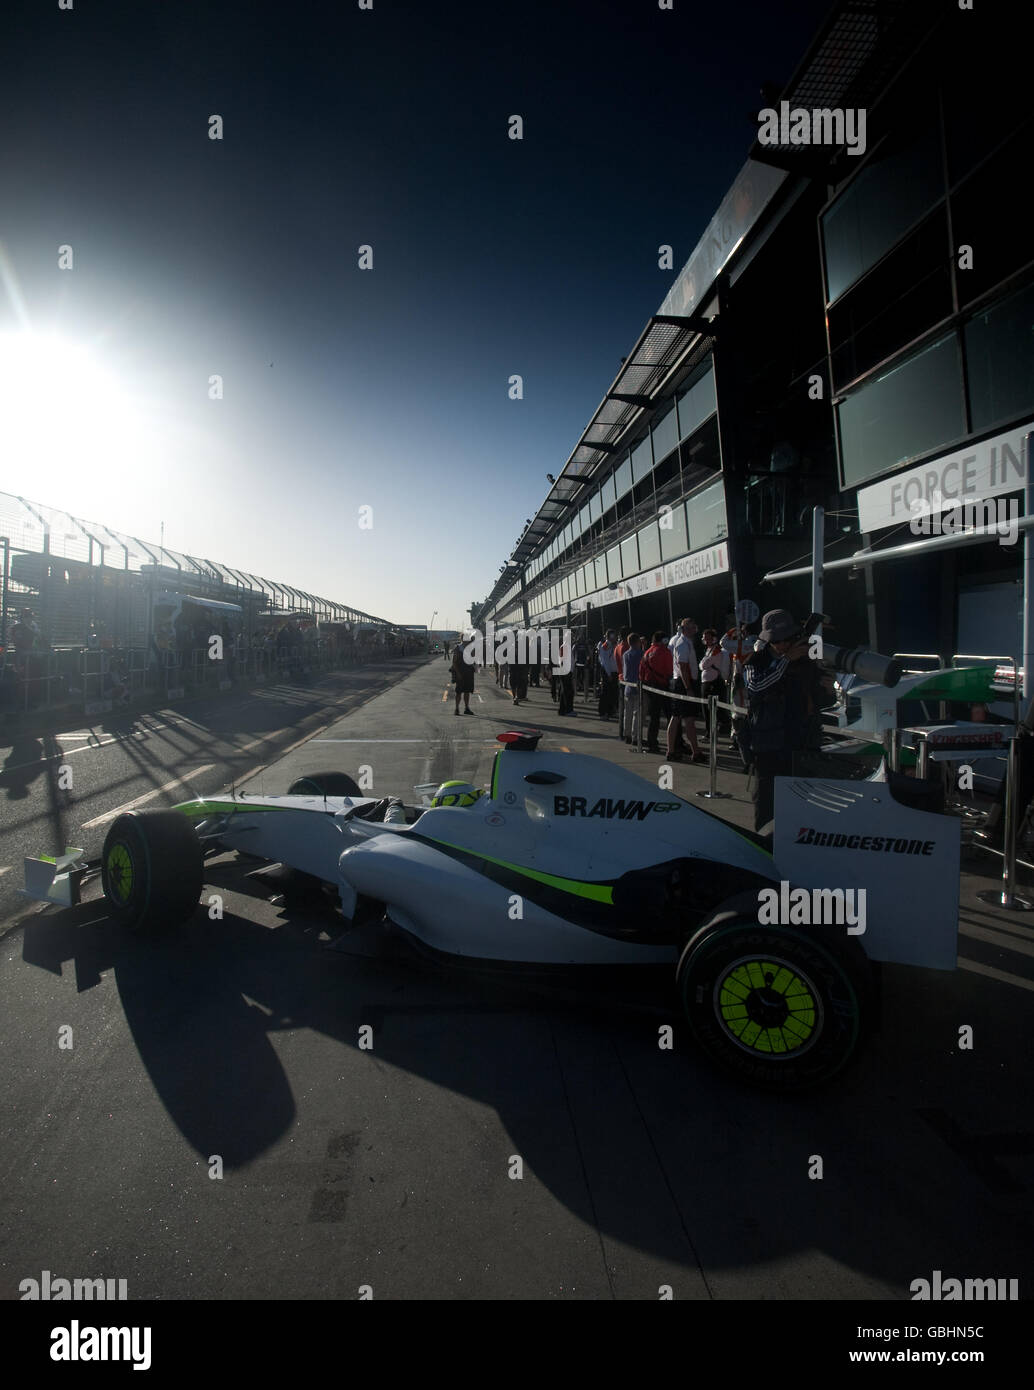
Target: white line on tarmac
x,y
368,740
266,738
6,870
992,974
147,796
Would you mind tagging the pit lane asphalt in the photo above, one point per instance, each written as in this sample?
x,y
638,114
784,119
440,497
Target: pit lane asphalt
x,y
390,1165
158,757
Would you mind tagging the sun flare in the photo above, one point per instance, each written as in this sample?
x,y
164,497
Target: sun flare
x,y
71,430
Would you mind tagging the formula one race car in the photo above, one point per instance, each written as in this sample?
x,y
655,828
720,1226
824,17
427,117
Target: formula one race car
x,y
571,860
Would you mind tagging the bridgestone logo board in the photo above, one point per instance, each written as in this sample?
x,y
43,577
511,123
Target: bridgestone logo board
x,y
851,835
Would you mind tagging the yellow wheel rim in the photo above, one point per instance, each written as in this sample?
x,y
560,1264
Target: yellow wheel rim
x,y
768,1006
120,873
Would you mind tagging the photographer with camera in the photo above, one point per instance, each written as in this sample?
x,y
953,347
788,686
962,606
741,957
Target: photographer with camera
x,y
786,693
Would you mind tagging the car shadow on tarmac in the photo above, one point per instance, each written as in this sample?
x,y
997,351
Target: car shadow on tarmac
x,y
649,1147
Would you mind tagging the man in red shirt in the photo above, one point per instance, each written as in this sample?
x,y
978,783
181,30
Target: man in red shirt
x,y
655,672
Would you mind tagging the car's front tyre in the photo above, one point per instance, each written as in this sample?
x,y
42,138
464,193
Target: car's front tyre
x,y
151,869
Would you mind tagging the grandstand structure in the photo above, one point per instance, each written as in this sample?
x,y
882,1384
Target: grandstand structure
x,y
83,578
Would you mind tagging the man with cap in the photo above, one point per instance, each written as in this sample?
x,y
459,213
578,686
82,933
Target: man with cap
x,y
786,692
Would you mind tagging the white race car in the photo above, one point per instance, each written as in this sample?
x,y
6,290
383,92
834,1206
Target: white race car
x,y
571,860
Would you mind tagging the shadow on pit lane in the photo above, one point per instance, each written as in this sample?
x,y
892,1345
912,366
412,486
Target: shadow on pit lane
x,y
26,761
652,1149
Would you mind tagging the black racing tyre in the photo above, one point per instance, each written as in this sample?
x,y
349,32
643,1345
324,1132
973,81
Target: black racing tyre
x,y
151,869
327,783
780,1007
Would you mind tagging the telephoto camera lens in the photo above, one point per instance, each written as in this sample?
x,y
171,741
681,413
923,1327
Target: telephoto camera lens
x,y
868,666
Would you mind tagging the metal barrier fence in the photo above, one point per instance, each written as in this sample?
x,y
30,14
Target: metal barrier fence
x,y
711,703
890,741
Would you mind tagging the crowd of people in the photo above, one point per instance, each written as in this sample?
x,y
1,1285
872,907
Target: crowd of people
x,y
642,681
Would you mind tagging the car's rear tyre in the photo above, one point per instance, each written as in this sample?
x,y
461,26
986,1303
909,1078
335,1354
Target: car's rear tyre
x,y
328,783
151,869
780,1007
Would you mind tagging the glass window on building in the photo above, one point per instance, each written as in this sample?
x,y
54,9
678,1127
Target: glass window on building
x,y
673,540
642,460
1000,240
589,577
701,455
578,583
623,478
984,92
907,294
630,556
601,572
614,564
705,512
900,182
696,403
594,507
910,410
607,495
649,547
1000,360
665,434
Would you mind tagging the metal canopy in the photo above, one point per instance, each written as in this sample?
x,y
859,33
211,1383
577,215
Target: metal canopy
x,y
852,60
660,348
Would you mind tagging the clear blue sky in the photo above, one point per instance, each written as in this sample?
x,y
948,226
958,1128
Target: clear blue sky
x,y
388,388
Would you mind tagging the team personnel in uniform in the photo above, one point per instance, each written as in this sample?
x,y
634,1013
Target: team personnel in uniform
x,y
786,693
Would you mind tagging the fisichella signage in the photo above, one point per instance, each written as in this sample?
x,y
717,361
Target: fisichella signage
x,y
987,469
700,565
